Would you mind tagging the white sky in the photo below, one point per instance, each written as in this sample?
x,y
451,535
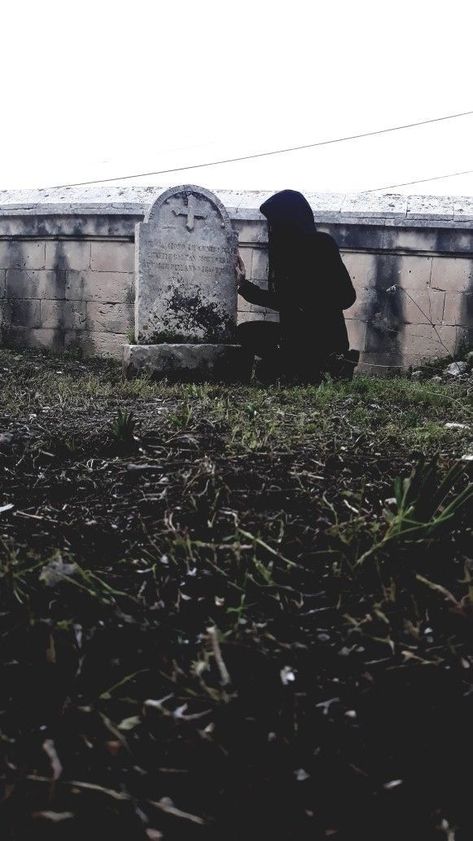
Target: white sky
x,y
107,88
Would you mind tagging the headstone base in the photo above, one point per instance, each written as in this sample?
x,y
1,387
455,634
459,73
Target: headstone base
x,y
188,362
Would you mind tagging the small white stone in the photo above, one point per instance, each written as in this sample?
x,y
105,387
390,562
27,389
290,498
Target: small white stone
x,y
287,675
392,784
301,775
455,369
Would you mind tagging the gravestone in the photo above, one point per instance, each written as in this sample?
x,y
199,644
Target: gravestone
x,y
186,296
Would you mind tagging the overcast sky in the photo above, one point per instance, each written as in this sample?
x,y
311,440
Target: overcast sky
x,y
102,89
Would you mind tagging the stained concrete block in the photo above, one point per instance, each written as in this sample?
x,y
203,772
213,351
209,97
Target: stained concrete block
x,y
414,272
356,333
188,362
251,232
421,341
3,283
260,265
452,274
112,256
64,254
18,254
362,268
97,343
66,315
5,314
111,287
409,239
246,255
455,309
36,338
423,306
109,318
35,284
25,313
364,304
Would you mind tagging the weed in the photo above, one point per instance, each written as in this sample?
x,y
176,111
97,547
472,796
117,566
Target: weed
x,y
122,428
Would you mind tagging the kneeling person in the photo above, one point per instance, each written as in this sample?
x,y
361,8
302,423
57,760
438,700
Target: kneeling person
x,y
310,287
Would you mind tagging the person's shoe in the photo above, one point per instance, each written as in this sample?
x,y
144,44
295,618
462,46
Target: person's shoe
x,y
341,366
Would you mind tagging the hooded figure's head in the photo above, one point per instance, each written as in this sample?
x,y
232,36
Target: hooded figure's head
x,y
289,212
291,228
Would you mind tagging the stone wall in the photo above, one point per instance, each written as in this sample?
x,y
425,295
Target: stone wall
x,y
67,268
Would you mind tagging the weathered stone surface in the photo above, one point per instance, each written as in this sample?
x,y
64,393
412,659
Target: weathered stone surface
x,y
112,257
422,341
452,274
195,362
35,337
246,255
96,343
414,272
109,318
374,205
34,284
17,254
453,312
259,265
356,334
424,306
185,270
251,230
109,287
64,315
430,207
362,268
25,313
63,255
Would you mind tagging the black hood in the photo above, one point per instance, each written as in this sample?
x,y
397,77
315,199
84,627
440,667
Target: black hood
x,y
289,210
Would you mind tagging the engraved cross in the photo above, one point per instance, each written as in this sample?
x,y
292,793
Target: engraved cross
x,y
190,212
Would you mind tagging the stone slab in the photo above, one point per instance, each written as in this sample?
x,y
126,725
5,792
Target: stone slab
x,y
188,362
186,255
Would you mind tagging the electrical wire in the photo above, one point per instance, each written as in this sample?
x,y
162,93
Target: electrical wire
x,y
267,154
420,181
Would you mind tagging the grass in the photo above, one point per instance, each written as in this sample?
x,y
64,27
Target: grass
x,y
233,612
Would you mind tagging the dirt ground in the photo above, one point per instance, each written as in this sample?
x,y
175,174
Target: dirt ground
x,y
228,613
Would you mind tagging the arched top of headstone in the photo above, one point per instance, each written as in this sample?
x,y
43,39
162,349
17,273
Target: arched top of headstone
x,y
192,203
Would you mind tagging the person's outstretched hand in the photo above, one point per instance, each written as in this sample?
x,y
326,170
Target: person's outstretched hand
x,y
240,272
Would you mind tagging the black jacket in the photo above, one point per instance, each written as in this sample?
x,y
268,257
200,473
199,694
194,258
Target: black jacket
x,y
308,282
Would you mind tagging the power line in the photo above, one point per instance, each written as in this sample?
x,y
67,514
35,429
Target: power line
x,y
267,154
420,181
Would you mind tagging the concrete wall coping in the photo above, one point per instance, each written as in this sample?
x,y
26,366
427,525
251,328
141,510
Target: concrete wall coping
x,y
334,208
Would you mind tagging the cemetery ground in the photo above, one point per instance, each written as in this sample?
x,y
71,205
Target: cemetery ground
x,y
228,613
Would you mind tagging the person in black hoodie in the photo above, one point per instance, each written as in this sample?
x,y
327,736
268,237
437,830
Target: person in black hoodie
x,y
310,287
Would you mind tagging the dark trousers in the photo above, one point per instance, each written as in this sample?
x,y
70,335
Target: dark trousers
x,y
296,363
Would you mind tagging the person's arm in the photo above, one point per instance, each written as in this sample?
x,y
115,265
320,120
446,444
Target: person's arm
x,y
255,295
252,293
